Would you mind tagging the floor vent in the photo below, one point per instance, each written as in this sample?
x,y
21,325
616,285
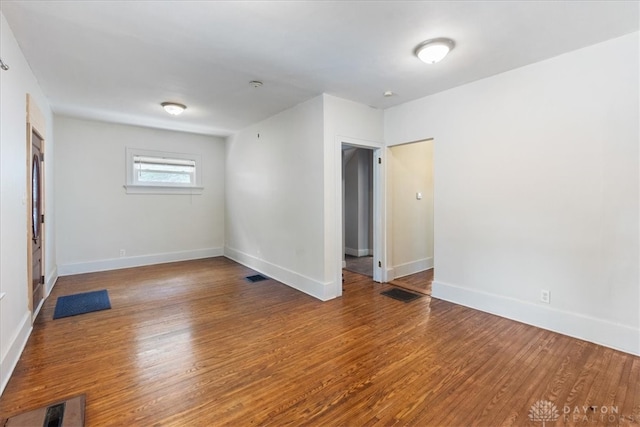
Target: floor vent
x,y
256,278
66,413
400,295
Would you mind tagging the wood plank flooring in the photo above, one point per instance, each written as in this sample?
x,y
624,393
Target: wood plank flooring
x,y
419,282
361,265
195,344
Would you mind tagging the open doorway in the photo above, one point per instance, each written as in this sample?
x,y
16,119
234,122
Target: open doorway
x,y
357,213
376,152
411,215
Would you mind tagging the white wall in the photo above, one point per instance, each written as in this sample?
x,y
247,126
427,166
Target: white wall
x,y
536,187
357,199
358,125
283,192
15,318
351,205
410,171
98,218
274,200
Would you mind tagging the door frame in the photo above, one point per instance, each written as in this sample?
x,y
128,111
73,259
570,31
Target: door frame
x,y
35,124
390,218
379,229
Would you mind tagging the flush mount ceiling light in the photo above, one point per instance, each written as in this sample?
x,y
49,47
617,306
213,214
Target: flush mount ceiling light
x,y
173,108
434,50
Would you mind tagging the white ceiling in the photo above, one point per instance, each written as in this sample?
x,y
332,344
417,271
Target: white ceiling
x,y
117,60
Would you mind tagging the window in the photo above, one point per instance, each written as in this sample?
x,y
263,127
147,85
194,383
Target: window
x,y
162,173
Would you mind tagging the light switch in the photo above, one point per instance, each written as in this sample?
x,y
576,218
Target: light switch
x,y
419,196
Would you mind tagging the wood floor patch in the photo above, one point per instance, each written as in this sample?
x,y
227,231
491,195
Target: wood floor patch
x,y
67,413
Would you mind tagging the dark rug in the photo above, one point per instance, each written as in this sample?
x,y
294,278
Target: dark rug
x,y
72,305
400,295
256,278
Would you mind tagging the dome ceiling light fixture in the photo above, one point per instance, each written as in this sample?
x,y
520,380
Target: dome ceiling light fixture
x,y
434,50
173,108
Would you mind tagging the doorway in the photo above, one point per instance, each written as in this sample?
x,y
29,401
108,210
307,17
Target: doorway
x,y
357,202
377,221
35,207
411,214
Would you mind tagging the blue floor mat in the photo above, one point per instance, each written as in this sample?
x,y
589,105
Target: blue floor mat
x,y
72,305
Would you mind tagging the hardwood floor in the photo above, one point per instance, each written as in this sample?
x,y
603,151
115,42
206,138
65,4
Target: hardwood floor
x,y
195,344
420,282
361,265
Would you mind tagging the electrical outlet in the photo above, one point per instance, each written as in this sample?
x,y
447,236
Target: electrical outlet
x,y
122,253
545,296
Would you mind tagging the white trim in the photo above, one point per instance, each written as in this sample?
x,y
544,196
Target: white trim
x,y
379,230
134,187
358,252
52,278
36,311
160,189
603,332
137,261
17,343
315,288
379,216
412,267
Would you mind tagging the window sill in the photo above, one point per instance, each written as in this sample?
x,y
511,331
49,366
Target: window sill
x,y
159,189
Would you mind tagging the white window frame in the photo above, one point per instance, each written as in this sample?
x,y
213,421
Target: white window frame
x,y
132,186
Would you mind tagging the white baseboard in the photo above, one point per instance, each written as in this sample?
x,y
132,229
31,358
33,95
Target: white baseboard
x,y
358,252
315,288
137,261
598,331
16,346
9,360
409,268
50,281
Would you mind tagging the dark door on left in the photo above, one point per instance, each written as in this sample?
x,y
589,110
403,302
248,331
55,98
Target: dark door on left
x,y
37,282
